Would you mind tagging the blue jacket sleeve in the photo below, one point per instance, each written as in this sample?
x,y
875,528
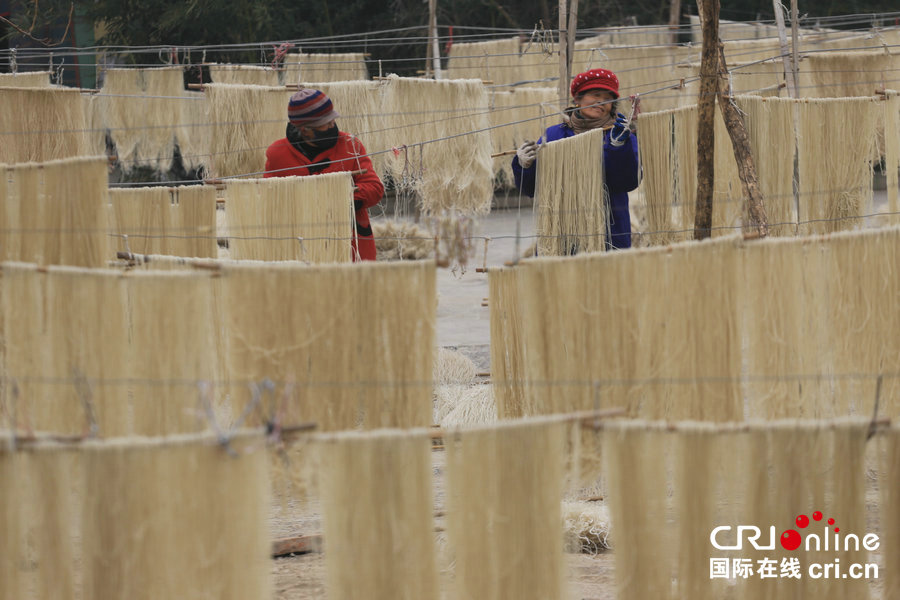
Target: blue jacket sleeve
x,y
621,165
524,177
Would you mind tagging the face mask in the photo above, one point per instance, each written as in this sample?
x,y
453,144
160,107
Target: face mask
x,y
325,139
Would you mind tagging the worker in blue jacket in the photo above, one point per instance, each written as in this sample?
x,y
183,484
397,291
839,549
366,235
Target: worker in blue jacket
x,y
596,93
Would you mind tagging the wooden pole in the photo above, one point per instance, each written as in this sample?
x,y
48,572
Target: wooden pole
x,y
706,145
674,20
571,34
740,143
785,55
563,60
795,42
433,38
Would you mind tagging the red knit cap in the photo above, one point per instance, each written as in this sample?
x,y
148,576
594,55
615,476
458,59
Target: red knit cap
x,y
595,79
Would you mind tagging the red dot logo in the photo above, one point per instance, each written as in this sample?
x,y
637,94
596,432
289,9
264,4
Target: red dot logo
x,y
831,521
802,521
790,540
817,516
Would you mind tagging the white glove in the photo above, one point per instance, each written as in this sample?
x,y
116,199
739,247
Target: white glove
x,y
527,152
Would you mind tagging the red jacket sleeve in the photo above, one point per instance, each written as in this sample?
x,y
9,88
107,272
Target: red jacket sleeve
x,y
369,190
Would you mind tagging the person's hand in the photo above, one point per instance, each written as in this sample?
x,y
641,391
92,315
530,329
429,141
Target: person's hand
x,y
619,132
527,152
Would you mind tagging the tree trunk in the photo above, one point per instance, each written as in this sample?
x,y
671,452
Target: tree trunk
x,y
706,145
741,145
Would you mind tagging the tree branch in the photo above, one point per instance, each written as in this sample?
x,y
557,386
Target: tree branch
x,y
44,41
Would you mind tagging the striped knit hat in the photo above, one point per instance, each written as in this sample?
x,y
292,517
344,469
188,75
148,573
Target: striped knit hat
x,y
310,108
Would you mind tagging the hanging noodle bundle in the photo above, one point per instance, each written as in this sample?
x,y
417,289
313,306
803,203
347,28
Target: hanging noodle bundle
x,y
87,353
172,349
244,120
25,346
291,218
728,194
767,120
377,514
161,220
507,345
91,347
863,287
41,124
723,475
635,35
889,483
504,517
348,345
763,79
784,315
698,366
578,368
454,167
836,146
571,212
35,79
498,61
646,354
658,175
847,73
743,50
892,154
194,131
198,530
136,107
518,115
56,213
684,145
346,66
807,326
635,468
243,74
40,501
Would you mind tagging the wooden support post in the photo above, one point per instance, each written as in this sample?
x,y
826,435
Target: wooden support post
x,y
740,143
674,21
786,57
563,46
433,38
571,34
795,43
706,145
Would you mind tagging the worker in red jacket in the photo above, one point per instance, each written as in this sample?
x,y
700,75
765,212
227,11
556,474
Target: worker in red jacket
x,y
313,144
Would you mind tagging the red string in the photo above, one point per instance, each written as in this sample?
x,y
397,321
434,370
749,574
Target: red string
x,y
280,52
